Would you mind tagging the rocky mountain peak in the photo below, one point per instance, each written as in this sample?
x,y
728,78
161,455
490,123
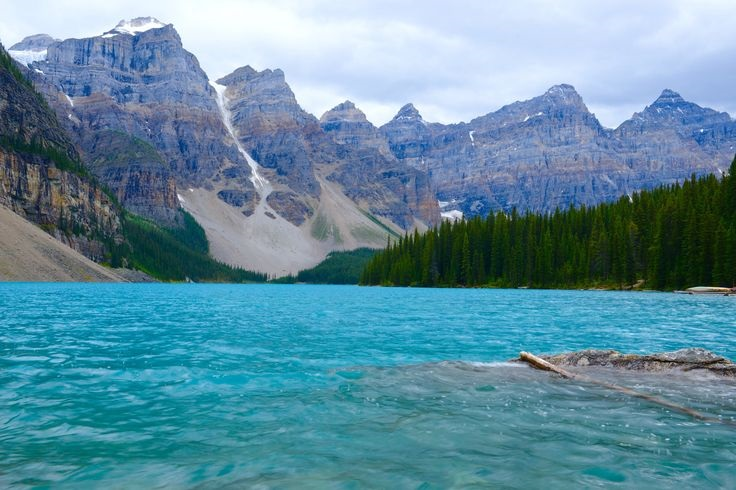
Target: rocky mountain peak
x,y
262,92
408,113
669,97
247,74
36,42
32,48
670,109
669,103
135,26
564,94
344,112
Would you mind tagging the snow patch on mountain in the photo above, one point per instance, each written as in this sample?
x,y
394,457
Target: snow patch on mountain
x,y
454,215
135,26
256,178
28,56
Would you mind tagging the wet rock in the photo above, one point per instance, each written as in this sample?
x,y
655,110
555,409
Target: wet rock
x,y
683,359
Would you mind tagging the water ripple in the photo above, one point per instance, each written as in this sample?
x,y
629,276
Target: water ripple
x,y
213,386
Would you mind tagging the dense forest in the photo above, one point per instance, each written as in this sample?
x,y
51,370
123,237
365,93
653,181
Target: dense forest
x,y
338,268
174,254
667,238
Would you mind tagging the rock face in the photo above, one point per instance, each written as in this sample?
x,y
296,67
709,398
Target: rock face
x,y
684,359
139,80
273,128
272,187
672,139
551,152
32,48
40,177
135,172
344,147
371,175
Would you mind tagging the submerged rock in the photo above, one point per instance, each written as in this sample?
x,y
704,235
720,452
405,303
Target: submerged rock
x,y
683,359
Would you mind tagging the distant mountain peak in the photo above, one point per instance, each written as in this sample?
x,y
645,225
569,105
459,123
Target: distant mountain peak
x,y
345,106
562,88
564,93
135,26
346,112
36,42
408,113
670,105
669,97
32,48
247,73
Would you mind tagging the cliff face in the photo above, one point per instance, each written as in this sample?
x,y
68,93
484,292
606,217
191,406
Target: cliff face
x,y
371,175
272,127
135,172
71,208
146,85
272,188
40,177
343,147
672,138
551,152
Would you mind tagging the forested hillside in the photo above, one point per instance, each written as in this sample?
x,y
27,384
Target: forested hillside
x,y
672,237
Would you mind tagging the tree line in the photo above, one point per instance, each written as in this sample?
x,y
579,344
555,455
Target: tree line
x,y
173,254
340,267
671,237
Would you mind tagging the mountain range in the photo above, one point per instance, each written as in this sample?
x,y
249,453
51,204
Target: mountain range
x,y
276,188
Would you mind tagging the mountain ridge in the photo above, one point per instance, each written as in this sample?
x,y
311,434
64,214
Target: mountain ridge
x,y
539,154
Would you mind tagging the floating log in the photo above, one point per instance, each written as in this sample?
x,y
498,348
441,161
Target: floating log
x,y
540,363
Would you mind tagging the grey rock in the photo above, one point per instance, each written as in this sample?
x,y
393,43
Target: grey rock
x,y
272,126
135,172
343,145
370,174
146,85
551,152
37,184
290,206
36,42
684,359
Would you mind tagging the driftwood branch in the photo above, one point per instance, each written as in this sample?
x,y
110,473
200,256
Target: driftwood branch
x,y
540,363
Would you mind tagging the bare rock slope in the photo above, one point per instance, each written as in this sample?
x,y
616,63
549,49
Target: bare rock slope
x,y
27,253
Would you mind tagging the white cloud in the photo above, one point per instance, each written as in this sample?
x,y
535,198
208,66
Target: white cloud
x,y
454,61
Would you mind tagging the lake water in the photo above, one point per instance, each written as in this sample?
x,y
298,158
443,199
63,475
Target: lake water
x,y
262,386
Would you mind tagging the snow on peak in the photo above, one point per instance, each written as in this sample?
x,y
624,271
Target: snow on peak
x,y
31,48
135,26
408,113
28,56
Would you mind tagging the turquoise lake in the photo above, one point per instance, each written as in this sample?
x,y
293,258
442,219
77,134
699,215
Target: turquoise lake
x,y
270,386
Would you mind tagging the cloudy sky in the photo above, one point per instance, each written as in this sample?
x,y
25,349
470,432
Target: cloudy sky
x,y
453,60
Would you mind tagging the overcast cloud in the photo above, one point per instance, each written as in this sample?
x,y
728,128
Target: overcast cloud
x,y
454,61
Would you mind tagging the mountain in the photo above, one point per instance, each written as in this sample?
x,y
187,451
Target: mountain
x,y
277,189
673,138
41,177
371,175
138,81
253,167
32,48
550,152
